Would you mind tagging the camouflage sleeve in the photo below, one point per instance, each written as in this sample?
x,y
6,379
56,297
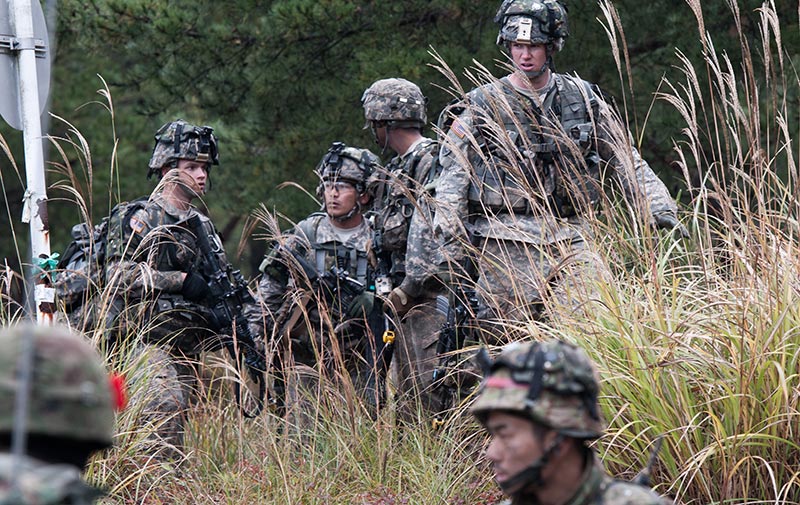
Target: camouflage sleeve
x,y
452,189
643,189
129,259
275,281
420,260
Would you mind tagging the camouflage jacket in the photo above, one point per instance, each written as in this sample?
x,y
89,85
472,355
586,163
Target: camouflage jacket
x,y
40,483
149,254
316,240
156,248
400,194
530,168
598,488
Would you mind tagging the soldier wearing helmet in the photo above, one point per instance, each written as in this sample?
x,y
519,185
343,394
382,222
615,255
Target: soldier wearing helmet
x,y
325,262
539,404
395,111
525,163
70,414
153,264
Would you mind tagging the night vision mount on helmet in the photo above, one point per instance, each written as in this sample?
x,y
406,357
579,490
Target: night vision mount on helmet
x,y
533,22
179,140
347,164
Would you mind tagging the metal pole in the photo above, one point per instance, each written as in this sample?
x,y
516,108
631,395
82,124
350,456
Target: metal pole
x,y
35,210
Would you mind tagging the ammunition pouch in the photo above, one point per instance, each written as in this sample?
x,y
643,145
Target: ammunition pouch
x,y
175,322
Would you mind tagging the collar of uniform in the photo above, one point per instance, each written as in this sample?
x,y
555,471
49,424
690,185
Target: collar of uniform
x,y
593,482
327,233
412,147
171,209
541,92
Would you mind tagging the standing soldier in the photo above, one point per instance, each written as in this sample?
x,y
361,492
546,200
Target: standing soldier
x,y
526,160
539,405
155,271
316,287
395,110
70,415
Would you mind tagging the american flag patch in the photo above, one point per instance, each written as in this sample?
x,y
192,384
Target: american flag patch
x,y
458,129
137,225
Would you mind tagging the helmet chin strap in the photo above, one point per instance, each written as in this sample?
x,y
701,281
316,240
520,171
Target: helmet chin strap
x,y
341,219
385,145
536,73
532,475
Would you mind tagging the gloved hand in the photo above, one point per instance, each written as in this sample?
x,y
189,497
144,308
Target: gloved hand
x,y
194,287
399,301
667,221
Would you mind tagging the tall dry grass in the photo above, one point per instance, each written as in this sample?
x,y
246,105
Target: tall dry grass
x,y
696,340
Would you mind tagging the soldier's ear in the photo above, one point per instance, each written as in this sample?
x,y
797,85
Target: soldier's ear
x,y
364,198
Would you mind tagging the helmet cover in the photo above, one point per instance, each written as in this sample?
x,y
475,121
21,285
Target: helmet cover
x,y
397,101
533,22
347,164
70,390
552,383
179,140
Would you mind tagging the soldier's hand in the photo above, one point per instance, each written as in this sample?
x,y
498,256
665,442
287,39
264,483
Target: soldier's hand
x,y
194,287
399,301
667,221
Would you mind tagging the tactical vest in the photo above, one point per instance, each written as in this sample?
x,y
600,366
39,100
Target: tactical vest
x,y
393,207
354,262
553,165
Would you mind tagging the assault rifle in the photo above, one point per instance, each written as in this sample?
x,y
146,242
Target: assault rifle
x,y
339,290
459,310
336,287
228,294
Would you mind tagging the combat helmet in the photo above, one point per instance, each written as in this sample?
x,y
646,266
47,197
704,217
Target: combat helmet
x,y
179,140
552,383
70,392
533,22
347,164
397,102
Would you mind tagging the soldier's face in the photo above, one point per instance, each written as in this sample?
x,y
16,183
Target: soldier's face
x,y
340,198
527,57
514,445
193,176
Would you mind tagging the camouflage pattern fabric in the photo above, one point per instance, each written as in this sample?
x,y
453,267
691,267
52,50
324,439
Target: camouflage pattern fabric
x,y
39,483
145,266
164,385
404,219
70,394
398,101
567,388
532,186
194,143
317,342
548,22
400,191
598,488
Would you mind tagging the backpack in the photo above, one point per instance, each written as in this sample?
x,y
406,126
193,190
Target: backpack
x,y
80,270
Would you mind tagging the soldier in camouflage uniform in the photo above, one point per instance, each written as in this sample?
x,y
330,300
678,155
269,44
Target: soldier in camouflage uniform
x,y
395,110
539,405
70,415
152,267
317,287
525,162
